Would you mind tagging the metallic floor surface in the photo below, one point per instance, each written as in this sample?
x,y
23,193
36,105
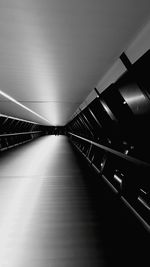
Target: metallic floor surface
x,y
47,217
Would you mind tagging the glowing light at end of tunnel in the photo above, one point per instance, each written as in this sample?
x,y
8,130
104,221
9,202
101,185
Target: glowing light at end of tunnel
x,y
21,105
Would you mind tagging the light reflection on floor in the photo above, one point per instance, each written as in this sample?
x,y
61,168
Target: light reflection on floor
x,y
45,219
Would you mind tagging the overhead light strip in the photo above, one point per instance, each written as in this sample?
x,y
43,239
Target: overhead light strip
x,y
21,105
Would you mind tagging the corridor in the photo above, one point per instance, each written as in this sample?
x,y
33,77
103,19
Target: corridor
x,y
54,213
74,135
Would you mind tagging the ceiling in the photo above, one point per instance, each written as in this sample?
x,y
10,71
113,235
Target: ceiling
x,y
53,52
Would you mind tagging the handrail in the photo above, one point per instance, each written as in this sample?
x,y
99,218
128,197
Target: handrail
x,y
113,151
14,134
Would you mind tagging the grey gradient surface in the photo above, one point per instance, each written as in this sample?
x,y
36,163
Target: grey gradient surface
x,y
55,212
54,52
46,219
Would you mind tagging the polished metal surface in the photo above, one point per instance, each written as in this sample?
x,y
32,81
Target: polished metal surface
x,y
135,98
46,218
54,212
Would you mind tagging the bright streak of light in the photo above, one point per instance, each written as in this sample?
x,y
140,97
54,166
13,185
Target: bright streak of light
x,y
118,179
39,58
21,187
144,203
108,110
21,105
44,82
133,98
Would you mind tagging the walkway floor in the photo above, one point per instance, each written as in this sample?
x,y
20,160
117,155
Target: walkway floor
x,y
55,213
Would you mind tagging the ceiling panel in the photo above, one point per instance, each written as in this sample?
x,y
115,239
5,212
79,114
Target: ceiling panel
x,y
53,52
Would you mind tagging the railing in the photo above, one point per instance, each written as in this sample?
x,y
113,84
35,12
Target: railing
x,y
126,175
14,134
10,140
113,151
